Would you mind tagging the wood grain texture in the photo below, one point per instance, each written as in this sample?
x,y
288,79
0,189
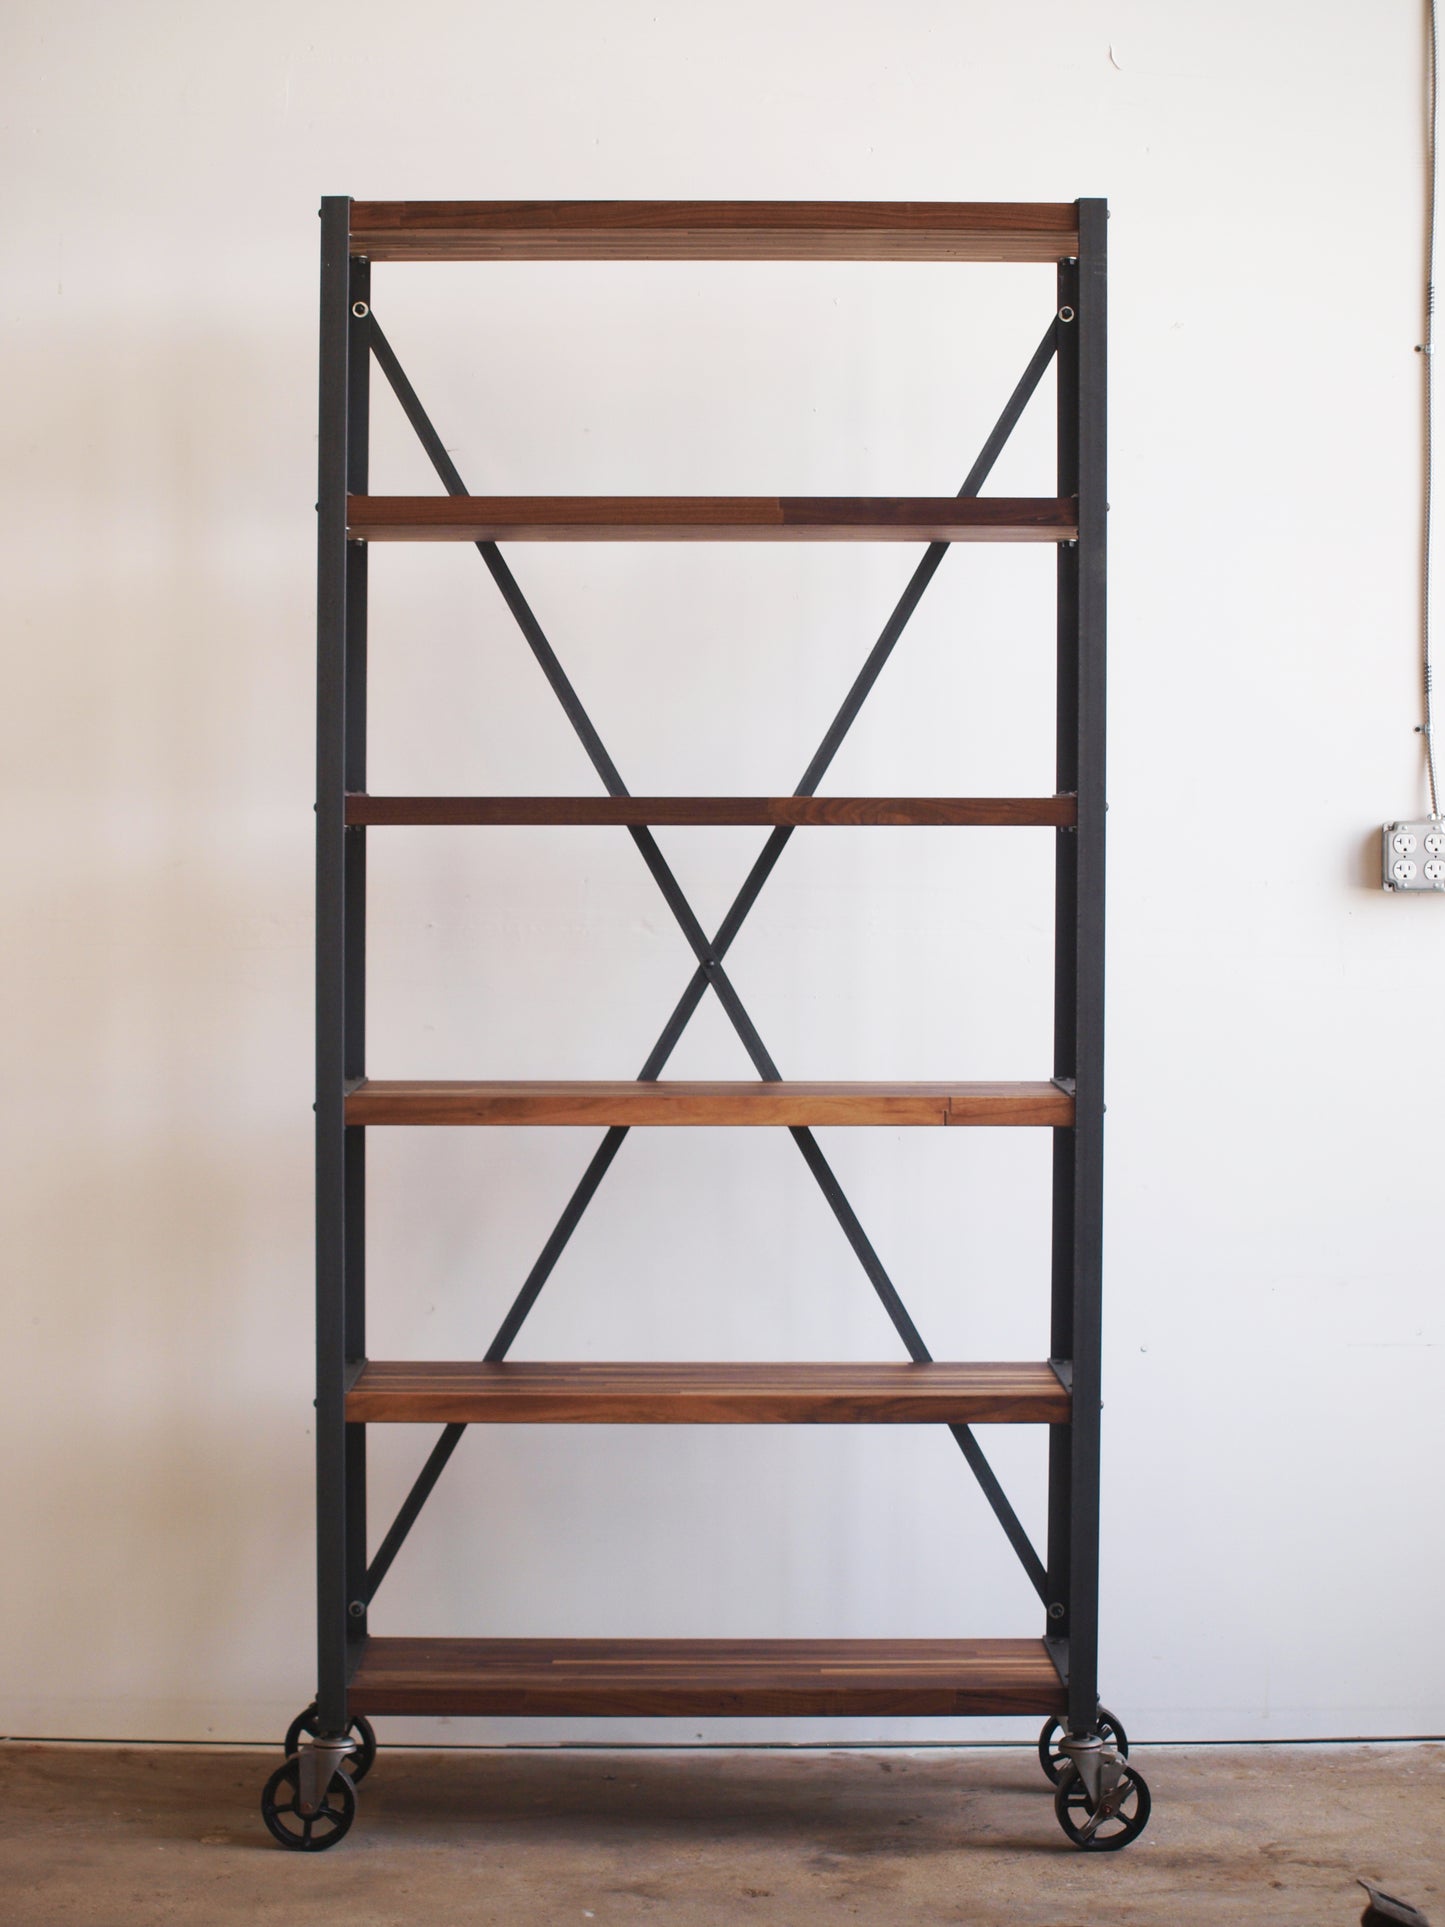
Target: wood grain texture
x,y
693,1677
762,811
809,1393
710,518
714,230
462,1101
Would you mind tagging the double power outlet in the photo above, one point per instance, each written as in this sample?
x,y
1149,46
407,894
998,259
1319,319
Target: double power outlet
x,y
1414,855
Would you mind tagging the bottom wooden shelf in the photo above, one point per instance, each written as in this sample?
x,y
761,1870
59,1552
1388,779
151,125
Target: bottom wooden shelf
x,y
693,1677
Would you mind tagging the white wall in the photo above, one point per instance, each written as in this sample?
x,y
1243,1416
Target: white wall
x,y
1273,1428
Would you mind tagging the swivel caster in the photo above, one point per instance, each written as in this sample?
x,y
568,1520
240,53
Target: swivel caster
x,y
287,1819
357,1764
1051,1755
1110,1816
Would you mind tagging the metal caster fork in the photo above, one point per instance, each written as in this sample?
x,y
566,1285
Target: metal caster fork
x,y
1102,1803
1384,1909
361,1758
1053,1759
309,1802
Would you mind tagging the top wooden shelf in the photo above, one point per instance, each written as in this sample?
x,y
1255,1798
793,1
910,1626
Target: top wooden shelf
x,y
714,230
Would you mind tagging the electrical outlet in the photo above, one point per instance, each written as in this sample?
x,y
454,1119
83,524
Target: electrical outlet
x,y
1414,855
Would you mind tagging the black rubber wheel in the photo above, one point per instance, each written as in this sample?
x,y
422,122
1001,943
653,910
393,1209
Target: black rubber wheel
x,y
302,1832
1126,1822
357,1764
1110,1730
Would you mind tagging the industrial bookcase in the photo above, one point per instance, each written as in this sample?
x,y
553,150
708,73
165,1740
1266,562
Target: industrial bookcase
x,y
1100,1800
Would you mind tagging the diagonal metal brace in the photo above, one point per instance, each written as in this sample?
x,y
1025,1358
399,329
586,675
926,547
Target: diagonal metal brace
x,y
709,965
709,955
410,1509
708,959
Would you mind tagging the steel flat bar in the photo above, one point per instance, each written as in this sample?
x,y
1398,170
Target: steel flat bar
x,y
973,1453
1013,1526
583,1193
547,660
793,812
707,518
592,744
506,582
863,683
411,1507
714,230
928,565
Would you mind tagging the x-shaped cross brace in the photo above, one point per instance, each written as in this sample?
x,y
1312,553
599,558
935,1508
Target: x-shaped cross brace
x,y
709,954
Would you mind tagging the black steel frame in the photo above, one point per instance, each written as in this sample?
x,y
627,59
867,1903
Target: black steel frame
x,y
1066,1579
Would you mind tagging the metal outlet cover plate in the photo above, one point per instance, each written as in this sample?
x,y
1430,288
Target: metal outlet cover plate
x,y
1412,855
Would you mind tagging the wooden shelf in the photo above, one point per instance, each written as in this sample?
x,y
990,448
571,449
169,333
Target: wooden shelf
x,y
759,811
693,1677
708,1394
709,518
714,230
447,1101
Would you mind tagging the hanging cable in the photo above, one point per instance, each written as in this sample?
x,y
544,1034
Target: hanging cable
x,y
1432,108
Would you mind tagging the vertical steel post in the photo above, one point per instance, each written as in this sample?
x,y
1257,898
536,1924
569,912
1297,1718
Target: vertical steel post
x,y
357,465
1073,1557
333,928
1066,897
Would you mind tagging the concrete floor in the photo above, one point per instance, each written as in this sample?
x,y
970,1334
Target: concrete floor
x,y
143,1836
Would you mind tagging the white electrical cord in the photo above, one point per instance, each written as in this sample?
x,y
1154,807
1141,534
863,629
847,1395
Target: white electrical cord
x,y
1432,99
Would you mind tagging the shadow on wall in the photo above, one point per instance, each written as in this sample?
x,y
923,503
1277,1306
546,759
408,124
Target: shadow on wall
x,y
158,1211
1365,870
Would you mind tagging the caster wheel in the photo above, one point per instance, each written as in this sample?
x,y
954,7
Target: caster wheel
x,y
357,1764
1052,1760
307,1832
1123,1818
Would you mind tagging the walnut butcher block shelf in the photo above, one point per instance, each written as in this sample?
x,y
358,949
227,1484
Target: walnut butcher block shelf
x,y
672,1678
1099,1798
809,1393
714,230
459,1101
706,518
761,812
